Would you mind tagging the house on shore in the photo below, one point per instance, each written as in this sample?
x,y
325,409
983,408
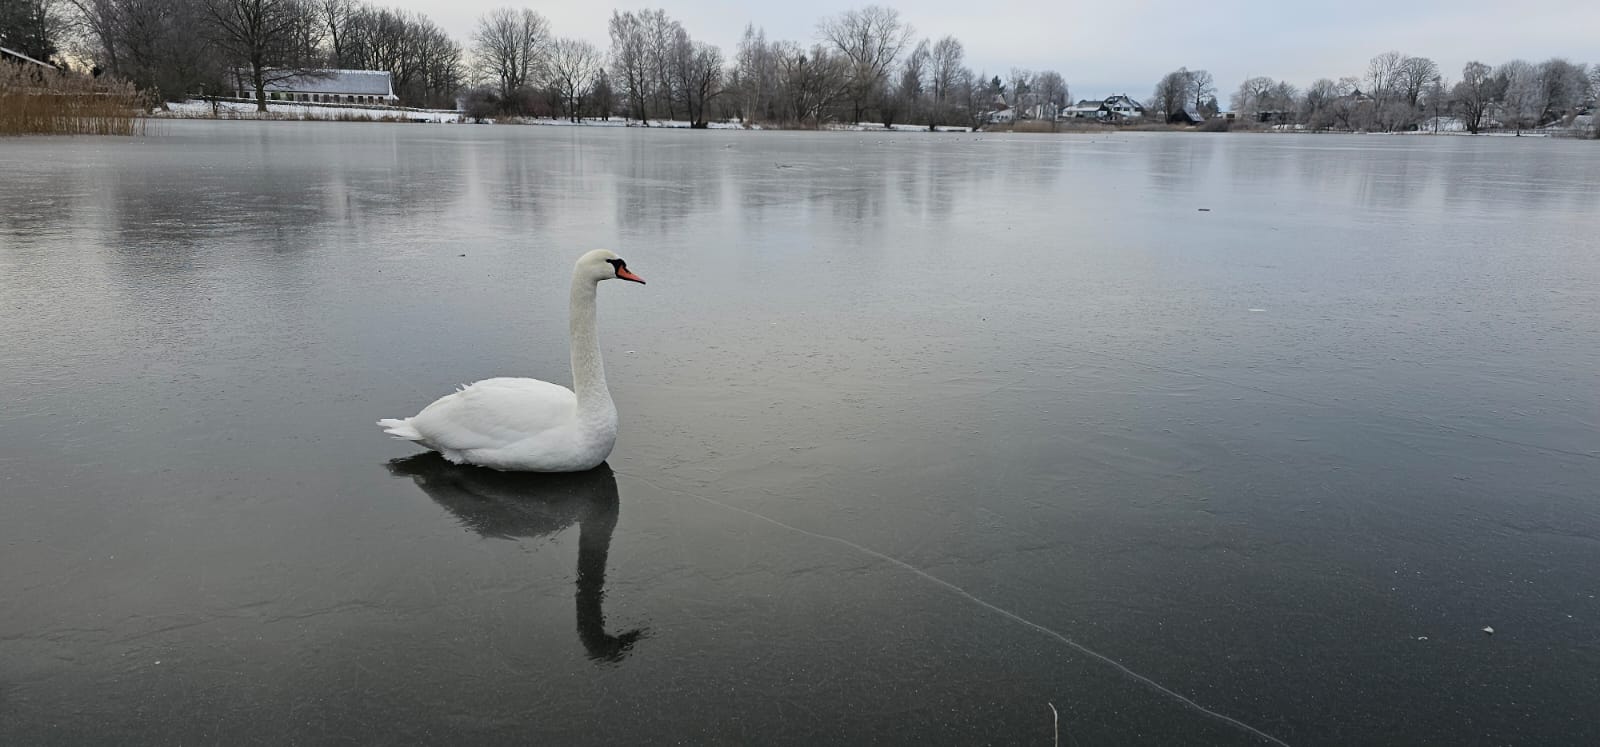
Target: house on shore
x,y
1122,106
1001,116
374,87
1084,109
1188,115
1117,108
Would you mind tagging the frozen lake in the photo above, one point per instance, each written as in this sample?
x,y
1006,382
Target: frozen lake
x,y
920,434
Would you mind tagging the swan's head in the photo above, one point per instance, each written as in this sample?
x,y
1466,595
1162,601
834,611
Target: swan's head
x,y
604,264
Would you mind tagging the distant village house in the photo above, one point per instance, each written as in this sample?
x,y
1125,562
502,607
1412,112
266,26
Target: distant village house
x,y
1188,115
328,87
1114,109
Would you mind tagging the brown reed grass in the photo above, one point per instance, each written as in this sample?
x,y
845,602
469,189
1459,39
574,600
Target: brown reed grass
x,y
37,100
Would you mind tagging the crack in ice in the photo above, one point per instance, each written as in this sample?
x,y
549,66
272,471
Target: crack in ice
x,y
1014,617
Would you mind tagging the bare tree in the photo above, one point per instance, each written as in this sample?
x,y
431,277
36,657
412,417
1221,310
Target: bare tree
x,y
439,67
1521,101
946,72
1414,76
665,40
871,39
977,93
603,97
1202,90
1282,98
753,79
699,70
1020,83
511,49
335,16
1383,72
1171,94
630,63
1436,100
266,40
1317,104
905,97
1250,98
1350,111
1383,79
163,46
1053,92
1474,94
1563,87
423,62
811,80
574,64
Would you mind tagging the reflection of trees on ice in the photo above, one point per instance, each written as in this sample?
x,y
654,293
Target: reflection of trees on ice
x,y
509,505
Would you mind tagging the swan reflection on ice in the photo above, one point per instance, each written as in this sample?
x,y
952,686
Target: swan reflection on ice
x,y
512,505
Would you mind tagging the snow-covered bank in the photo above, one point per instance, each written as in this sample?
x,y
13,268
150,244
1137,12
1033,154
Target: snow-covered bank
x,y
198,109
1582,127
279,110
723,125
875,127
669,124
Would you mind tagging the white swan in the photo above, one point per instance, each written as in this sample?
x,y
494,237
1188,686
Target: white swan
x,y
529,425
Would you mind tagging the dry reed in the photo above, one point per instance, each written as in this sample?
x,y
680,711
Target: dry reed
x,y
43,101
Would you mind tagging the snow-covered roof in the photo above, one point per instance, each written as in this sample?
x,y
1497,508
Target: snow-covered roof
x,y
23,57
347,82
1084,107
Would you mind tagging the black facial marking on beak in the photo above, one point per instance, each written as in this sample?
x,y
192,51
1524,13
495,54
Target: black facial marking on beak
x,y
623,273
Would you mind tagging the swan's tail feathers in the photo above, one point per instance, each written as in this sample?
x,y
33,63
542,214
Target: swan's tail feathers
x,y
400,428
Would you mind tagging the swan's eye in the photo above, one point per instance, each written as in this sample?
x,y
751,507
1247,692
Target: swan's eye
x,y
617,263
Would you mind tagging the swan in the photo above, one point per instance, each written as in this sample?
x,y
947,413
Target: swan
x,y
528,425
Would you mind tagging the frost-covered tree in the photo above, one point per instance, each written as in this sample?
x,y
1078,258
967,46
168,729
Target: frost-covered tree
x,y
1563,87
1522,97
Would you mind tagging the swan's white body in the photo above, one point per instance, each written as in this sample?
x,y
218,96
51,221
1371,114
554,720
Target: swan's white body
x,y
530,425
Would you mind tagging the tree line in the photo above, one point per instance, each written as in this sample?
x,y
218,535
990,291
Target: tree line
x,y
863,65
1403,92
174,49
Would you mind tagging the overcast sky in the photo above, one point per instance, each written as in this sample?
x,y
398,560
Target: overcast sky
x,y
1113,46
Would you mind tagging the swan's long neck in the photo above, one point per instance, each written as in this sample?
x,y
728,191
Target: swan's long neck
x,y
588,373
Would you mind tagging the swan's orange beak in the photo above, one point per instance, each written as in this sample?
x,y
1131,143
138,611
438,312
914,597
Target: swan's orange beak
x,y
626,274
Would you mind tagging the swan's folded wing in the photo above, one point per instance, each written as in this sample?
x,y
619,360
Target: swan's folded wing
x,y
495,412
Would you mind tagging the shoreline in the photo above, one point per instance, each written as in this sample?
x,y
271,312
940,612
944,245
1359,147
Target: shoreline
x,y
196,109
